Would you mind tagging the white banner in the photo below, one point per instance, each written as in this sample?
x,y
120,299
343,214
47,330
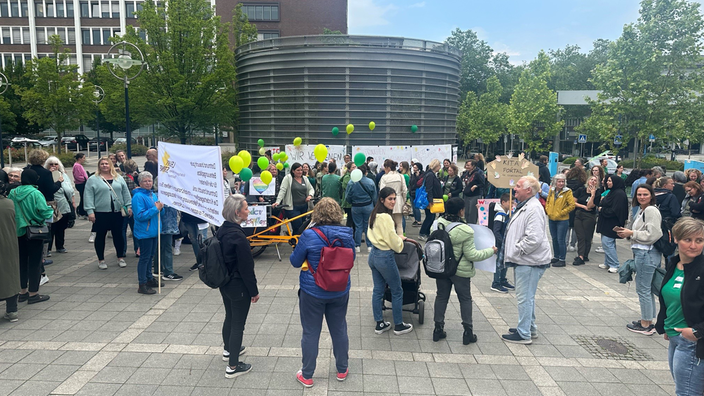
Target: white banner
x,y
193,186
381,153
484,238
304,154
425,154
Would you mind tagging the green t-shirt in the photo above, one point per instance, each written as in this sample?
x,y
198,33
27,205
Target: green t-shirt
x,y
671,294
330,186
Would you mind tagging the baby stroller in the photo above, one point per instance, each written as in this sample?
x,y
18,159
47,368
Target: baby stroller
x,y
409,263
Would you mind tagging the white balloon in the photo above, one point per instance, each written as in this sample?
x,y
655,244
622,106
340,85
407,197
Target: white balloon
x,y
356,175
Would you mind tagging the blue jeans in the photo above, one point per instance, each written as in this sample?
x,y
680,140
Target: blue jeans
x,y
147,252
297,211
500,277
191,229
360,216
526,281
558,231
135,242
427,223
686,369
416,214
385,271
646,261
166,250
610,256
312,311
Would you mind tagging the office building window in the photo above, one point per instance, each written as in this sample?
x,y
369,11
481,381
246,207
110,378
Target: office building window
x,y
25,8
71,36
41,36
39,9
16,36
60,9
85,33
105,7
261,12
50,10
267,35
95,9
15,8
25,35
62,34
4,10
69,9
115,9
84,9
96,36
6,35
106,36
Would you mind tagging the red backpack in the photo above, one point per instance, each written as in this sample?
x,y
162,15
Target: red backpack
x,y
334,267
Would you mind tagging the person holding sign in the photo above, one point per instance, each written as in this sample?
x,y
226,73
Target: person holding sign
x,y
294,195
681,316
146,208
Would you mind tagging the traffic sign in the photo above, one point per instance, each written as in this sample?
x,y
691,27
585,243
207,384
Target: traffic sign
x,y
617,140
582,139
651,138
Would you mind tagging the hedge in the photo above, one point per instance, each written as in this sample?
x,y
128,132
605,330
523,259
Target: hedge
x,y
17,155
67,159
137,149
651,161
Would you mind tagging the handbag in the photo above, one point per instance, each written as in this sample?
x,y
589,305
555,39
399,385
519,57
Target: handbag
x,y
438,206
407,208
123,208
36,232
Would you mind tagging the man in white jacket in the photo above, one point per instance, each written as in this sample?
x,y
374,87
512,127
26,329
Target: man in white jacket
x,y
528,251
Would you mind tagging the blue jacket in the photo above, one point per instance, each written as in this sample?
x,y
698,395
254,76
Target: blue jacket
x,y
308,248
361,192
146,216
169,220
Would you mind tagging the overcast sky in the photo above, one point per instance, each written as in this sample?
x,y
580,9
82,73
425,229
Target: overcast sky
x,y
520,28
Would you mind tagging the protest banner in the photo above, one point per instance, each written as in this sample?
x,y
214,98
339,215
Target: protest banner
x,y
483,206
382,153
484,238
504,172
256,218
193,186
258,188
425,154
304,154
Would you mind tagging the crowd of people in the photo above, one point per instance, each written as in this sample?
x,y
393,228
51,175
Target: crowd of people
x,y
38,205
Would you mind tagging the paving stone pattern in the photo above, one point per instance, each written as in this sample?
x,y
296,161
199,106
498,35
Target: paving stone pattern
x,y
97,336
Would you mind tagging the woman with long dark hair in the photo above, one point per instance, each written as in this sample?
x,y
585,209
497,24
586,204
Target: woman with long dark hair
x,y
434,190
415,182
613,212
385,241
296,191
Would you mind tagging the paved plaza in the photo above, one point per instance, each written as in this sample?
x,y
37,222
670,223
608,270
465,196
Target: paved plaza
x,y
97,336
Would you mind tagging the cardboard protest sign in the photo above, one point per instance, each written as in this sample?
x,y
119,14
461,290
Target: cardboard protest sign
x,y
504,172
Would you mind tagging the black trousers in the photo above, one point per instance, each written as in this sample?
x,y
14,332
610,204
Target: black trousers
x,y
104,222
30,263
237,302
79,210
584,224
11,304
58,233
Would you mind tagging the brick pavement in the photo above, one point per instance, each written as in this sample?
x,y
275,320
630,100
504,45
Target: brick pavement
x,y
97,336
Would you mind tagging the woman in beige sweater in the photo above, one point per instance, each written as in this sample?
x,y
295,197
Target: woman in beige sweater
x,y
385,241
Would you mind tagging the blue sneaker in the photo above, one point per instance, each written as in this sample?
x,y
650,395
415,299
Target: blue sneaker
x,y
507,285
499,288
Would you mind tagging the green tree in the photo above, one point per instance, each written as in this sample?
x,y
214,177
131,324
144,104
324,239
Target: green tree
x,y
189,81
483,117
652,76
57,97
534,111
15,122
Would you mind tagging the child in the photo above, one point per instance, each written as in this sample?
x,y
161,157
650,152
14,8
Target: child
x,y
498,226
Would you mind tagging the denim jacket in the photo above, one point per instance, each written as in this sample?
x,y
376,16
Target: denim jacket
x,y
169,221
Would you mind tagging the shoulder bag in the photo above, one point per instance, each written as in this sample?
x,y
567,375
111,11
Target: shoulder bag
x,y
123,208
36,232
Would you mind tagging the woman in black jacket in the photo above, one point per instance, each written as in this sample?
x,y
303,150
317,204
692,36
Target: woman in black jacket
x,y
474,183
452,184
576,179
613,212
681,316
667,202
434,190
241,290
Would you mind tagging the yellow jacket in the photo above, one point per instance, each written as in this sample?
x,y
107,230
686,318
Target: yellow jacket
x,y
383,236
559,208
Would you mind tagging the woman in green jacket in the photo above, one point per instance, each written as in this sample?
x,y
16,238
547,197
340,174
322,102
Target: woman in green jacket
x,y
30,209
462,237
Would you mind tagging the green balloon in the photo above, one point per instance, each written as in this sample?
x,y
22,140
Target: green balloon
x,y
335,131
263,163
359,159
245,174
275,157
414,128
286,165
260,142
445,197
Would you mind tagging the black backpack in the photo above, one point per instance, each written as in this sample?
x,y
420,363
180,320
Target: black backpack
x,y
666,244
212,269
439,261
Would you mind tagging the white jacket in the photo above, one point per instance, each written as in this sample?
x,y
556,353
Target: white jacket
x,y
526,241
396,181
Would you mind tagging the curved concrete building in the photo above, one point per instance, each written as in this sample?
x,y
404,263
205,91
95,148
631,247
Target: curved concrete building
x,y
304,86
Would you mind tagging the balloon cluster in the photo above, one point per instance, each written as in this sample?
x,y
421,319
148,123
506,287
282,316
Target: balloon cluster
x,y
240,164
350,128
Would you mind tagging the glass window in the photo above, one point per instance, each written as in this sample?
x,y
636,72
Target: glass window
x,y
87,64
115,9
142,35
275,13
39,9
15,8
41,36
95,9
84,9
60,9
259,13
8,59
25,35
16,35
27,57
50,10
96,36
105,7
267,13
6,35
129,9
62,34
25,9
140,5
86,36
106,36
71,36
4,10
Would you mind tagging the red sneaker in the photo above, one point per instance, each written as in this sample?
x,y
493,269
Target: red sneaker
x,y
343,376
308,383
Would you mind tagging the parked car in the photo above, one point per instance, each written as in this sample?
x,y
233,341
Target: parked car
x,y
103,139
49,141
124,141
606,154
76,141
19,142
610,164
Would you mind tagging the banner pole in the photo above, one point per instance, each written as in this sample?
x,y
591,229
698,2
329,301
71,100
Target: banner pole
x,y
158,250
510,202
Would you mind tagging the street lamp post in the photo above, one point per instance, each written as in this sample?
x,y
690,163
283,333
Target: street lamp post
x,y
119,67
98,96
4,83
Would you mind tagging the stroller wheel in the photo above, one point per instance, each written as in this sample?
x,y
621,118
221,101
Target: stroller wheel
x,y
421,311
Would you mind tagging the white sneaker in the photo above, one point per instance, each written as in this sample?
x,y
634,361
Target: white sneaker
x,y
613,270
369,249
121,263
603,266
102,265
357,249
91,239
177,251
599,249
43,280
571,249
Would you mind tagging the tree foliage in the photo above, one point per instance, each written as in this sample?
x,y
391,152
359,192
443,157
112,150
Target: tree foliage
x,y
534,110
15,122
56,97
483,117
652,77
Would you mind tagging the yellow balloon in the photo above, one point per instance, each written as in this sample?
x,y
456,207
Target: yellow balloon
x,y
297,141
350,128
236,164
262,151
320,152
280,166
372,125
266,177
246,157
